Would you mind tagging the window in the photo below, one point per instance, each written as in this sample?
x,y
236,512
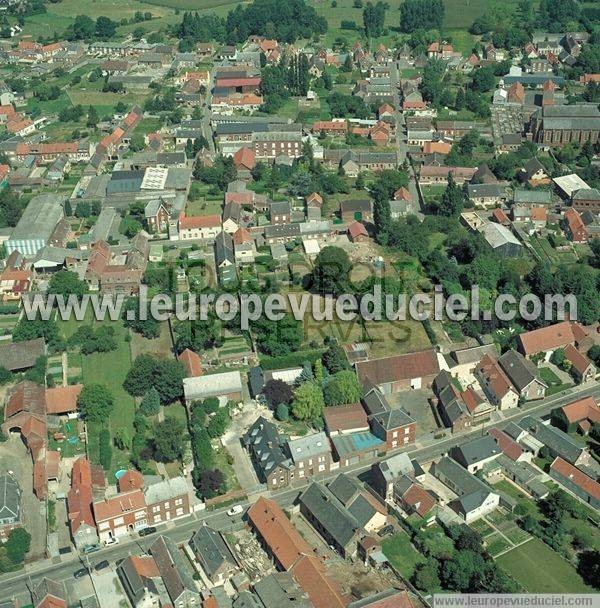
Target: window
x,y
395,434
118,521
407,430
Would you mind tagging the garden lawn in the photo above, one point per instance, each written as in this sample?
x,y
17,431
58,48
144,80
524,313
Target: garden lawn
x,y
401,554
110,369
538,569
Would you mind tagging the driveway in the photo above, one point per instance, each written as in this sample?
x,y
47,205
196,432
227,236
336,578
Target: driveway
x,y
15,457
242,464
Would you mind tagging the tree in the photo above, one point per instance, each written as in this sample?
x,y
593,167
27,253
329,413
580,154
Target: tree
x,y
331,271
282,413
149,327
276,338
374,19
277,391
308,401
165,375
426,576
218,423
334,358
83,28
452,199
92,117
18,545
5,375
342,388
122,438
169,437
150,404
483,79
588,566
421,14
65,283
95,403
210,483
105,28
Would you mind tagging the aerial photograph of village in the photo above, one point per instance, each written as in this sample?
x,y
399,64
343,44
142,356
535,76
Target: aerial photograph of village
x,y
299,303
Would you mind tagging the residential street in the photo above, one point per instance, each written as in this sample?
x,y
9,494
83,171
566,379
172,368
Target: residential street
x,y
425,450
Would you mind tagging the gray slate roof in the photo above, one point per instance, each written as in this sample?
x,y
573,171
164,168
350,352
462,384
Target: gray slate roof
x,y
331,514
211,550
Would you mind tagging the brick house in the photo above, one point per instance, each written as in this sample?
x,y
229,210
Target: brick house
x,y
395,427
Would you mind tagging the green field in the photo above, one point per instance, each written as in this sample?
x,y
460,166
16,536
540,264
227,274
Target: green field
x,y
193,5
538,569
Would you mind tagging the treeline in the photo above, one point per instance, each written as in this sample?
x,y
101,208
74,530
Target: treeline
x,y
294,19
421,14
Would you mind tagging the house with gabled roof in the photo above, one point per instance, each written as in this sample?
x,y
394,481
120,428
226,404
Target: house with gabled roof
x,y
213,554
495,384
399,372
523,375
417,502
49,594
576,482
557,442
475,454
175,573
580,415
331,519
547,339
582,369
474,497
267,451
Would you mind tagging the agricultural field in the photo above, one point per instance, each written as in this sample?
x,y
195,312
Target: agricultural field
x,y
538,569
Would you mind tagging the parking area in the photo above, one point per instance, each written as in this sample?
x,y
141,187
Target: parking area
x,y
15,457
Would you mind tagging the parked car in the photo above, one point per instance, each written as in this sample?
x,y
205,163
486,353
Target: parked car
x,y
146,531
236,510
101,565
81,573
389,529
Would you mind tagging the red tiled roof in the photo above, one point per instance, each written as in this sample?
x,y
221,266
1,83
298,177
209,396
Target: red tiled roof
x,y
507,444
579,361
357,229
579,478
402,194
131,480
419,499
314,197
192,362
547,338
314,579
500,216
345,418
242,236
200,221
497,380
283,540
145,566
398,367
62,399
122,503
471,399
585,408
251,81
441,147
244,158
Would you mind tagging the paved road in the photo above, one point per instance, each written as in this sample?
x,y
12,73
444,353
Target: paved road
x,y
16,583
